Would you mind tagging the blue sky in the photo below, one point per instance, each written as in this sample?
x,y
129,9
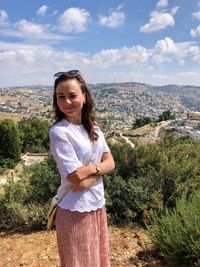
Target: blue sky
x,y
151,41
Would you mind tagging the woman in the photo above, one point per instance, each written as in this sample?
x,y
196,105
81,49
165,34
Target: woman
x,y
82,156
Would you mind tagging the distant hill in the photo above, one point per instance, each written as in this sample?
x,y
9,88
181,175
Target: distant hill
x,y
189,95
117,104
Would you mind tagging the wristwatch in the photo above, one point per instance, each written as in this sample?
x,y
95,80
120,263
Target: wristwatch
x,y
97,169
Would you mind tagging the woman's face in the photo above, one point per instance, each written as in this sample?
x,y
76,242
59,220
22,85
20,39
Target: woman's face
x,y
70,100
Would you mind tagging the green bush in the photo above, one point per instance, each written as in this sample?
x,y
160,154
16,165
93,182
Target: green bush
x,y
17,215
26,201
13,214
6,163
177,232
10,142
127,200
43,181
34,135
151,176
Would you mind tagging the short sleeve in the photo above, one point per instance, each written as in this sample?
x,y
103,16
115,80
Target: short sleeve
x,y
63,152
103,142
105,145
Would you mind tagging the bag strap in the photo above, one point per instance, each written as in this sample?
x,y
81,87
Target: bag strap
x,y
69,187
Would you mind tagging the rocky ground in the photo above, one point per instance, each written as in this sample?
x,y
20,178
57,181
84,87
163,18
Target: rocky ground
x,y
129,247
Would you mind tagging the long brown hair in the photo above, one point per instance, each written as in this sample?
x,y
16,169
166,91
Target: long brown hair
x,y
88,115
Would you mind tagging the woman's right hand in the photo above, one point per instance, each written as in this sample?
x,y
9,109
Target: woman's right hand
x,y
82,177
81,173
85,183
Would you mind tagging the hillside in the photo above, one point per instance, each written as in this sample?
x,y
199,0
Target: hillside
x,y
189,95
117,104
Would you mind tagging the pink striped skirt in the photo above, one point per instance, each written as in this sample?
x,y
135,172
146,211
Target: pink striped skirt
x,y
82,238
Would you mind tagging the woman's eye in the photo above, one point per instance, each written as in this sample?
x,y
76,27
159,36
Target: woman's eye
x,y
72,96
62,97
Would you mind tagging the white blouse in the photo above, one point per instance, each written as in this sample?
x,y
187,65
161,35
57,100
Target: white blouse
x,y
71,148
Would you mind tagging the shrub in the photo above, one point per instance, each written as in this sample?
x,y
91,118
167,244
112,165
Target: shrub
x,y
25,202
151,176
16,214
127,200
177,232
12,214
34,133
43,181
10,143
6,163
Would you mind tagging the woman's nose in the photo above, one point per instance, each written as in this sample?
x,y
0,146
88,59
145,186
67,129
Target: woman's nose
x,y
68,101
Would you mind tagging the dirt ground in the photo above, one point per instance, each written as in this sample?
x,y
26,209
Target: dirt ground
x,y
129,247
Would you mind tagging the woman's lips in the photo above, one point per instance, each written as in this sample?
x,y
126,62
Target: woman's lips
x,y
69,109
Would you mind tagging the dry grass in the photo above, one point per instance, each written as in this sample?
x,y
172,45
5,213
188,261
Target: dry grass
x,y
142,130
12,116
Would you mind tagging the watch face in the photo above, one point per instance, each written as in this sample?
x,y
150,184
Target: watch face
x,y
97,168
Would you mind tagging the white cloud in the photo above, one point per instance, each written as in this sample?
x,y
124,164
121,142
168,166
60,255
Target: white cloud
x,y
42,10
3,17
114,20
39,57
8,46
134,56
158,21
119,76
28,30
159,77
55,12
28,27
194,53
73,20
19,57
159,59
164,50
181,62
196,15
195,32
181,78
167,51
194,50
166,46
174,10
162,3
188,75
102,66
119,7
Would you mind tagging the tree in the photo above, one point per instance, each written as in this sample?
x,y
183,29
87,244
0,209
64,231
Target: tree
x,y
35,135
10,143
166,115
141,122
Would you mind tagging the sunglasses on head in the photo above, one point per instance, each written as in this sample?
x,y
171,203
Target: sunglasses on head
x,y
69,73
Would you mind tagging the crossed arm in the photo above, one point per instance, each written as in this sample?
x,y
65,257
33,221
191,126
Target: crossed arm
x,y
85,176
